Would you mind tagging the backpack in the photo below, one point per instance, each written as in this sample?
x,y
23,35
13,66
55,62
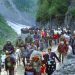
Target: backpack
x,y
19,43
10,62
61,48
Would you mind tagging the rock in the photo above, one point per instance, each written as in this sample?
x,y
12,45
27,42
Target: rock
x,y
68,67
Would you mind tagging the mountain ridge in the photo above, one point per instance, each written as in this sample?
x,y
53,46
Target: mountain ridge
x,y
13,14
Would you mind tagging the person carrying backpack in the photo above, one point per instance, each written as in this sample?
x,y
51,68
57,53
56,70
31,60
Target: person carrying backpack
x,y
8,47
28,39
19,42
62,50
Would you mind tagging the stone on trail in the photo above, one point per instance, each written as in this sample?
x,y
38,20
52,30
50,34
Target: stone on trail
x,y
68,67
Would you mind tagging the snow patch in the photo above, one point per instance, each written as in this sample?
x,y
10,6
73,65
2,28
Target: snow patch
x,y
17,27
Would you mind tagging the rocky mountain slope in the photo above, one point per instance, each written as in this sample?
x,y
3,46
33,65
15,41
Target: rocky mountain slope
x,y
70,15
11,12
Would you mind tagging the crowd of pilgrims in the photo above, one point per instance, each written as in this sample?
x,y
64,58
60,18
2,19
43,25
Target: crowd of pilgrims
x,y
35,51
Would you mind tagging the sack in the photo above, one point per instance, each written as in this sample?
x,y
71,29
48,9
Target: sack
x,y
60,48
69,50
10,62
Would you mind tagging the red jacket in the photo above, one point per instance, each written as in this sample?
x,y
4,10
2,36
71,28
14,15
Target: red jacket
x,y
56,36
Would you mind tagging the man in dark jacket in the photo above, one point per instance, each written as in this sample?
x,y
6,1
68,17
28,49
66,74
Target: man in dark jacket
x,y
8,47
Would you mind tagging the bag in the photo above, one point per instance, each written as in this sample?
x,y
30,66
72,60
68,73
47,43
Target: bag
x,y
10,62
61,48
69,50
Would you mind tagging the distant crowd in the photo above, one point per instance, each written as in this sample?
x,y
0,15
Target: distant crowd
x,y
35,50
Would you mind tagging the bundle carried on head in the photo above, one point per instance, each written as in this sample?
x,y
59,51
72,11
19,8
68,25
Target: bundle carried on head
x,y
35,58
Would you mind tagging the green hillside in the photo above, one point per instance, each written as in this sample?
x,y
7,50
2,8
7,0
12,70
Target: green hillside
x,y
52,8
6,32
